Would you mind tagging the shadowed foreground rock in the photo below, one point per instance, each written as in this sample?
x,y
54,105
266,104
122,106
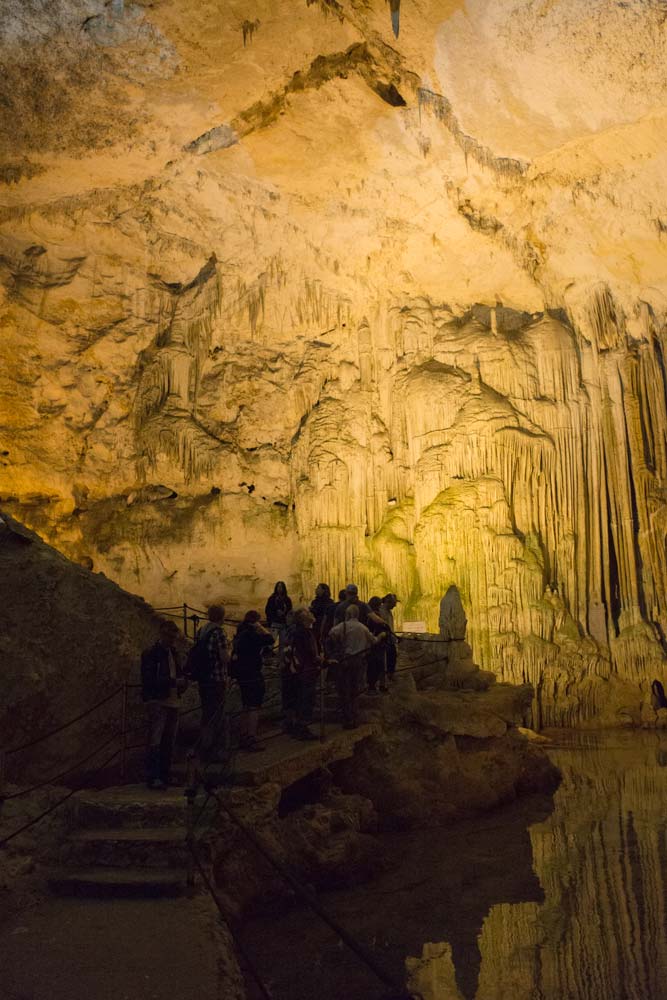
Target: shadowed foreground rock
x,y
68,638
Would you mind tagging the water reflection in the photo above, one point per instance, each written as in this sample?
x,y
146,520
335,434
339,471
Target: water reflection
x,y
600,933
543,900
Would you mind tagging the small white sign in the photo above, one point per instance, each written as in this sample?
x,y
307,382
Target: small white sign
x,y
414,627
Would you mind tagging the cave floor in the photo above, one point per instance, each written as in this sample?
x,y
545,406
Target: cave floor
x,y
120,949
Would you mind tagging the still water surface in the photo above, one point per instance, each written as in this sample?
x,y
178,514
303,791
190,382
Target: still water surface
x,y
561,899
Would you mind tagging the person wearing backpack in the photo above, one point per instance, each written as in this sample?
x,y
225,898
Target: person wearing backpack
x,y
162,684
208,665
250,642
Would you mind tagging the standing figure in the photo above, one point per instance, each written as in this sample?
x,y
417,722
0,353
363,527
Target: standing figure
x,y
348,642
162,684
278,607
250,641
389,602
278,613
303,661
377,655
211,658
322,608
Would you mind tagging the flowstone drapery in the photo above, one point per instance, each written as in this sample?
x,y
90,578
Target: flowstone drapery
x,y
285,302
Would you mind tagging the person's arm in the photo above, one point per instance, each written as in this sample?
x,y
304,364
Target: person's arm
x,y
268,610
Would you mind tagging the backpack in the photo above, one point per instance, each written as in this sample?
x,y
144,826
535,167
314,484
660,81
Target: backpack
x,y
197,665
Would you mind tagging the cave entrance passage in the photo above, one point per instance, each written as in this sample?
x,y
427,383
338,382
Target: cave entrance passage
x,y
452,621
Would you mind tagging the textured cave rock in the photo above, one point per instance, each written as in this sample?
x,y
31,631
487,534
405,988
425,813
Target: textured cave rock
x,y
304,291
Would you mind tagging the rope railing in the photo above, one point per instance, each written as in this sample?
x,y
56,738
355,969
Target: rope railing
x,y
308,896
52,808
124,731
66,725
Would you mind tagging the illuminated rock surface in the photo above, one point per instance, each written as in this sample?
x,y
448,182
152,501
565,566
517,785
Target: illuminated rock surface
x,y
332,290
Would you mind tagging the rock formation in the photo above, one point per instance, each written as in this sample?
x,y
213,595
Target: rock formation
x,y
69,638
332,290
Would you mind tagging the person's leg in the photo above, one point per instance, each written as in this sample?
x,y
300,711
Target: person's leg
x,y
391,660
382,676
207,703
212,740
288,691
357,673
346,687
168,743
374,669
253,699
307,693
156,724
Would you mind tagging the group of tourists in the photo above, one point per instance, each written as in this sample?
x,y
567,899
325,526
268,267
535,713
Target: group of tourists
x,y
353,640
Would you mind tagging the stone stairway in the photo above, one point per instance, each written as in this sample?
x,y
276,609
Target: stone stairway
x,y
126,841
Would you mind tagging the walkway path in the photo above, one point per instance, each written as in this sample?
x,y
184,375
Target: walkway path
x,y
120,949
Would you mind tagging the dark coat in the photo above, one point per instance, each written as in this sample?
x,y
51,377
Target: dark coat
x,y
277,609
156,680
249,643
305,656
339,614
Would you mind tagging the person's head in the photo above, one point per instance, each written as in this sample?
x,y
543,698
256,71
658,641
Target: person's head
x,y
303,617
351,592
352,613
375,603
251,618
390,601
322,590
342,595
216,614
280,589
168,633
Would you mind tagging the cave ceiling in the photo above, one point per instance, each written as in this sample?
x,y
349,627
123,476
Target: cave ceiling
x,y
332,289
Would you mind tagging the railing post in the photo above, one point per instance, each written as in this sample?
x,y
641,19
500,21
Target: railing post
x,y
123,733
190,795
185,620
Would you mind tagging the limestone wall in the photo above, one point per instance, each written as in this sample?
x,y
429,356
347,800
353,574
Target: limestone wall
x,y
307,291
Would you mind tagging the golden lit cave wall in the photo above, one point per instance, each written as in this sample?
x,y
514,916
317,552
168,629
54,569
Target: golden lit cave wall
x,y
520,457
522,464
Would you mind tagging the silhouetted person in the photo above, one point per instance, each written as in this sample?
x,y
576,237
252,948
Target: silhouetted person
x,y
304,662
389,602
212,664
162,684
278,614
278,607
250,641
351,599
376,665
322,609
348,643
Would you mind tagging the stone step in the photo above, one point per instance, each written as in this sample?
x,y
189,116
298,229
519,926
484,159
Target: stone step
x,y
149,847
125,882
129,806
